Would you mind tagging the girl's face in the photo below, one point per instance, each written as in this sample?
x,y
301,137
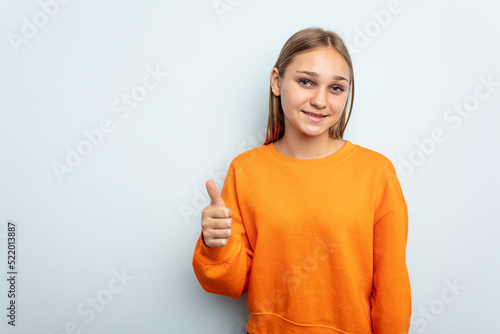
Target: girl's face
x,y
313,90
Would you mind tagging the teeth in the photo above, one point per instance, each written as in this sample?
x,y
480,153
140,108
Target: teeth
x,y
313,115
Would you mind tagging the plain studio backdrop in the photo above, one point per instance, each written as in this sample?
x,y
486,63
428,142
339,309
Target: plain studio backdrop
x,y
115,113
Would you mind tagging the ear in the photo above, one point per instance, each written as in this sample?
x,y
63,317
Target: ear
x,y
275,81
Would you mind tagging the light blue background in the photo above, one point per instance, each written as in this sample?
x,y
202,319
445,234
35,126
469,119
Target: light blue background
x,y
133,203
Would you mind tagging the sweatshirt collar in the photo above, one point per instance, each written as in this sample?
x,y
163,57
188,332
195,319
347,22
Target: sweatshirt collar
x,y
286,161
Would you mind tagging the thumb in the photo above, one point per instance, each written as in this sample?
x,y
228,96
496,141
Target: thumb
x,y
213,192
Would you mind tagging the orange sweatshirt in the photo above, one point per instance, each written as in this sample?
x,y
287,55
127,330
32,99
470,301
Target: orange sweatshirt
x,y
319,245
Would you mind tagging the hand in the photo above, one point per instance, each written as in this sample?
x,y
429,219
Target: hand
x,y
216,219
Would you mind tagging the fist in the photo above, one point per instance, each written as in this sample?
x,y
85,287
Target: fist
x,y
216,219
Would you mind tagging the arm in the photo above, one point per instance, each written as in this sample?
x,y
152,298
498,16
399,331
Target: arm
x,y
391,296
224,270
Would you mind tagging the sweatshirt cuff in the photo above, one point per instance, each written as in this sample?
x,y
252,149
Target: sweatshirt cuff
x,y
213,255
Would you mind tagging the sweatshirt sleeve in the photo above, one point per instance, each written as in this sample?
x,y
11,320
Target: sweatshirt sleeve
x,y
225,270
391,296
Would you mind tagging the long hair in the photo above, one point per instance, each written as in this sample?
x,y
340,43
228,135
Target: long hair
x,y
302,41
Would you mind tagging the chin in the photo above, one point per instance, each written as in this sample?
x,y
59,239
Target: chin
x,y
315,133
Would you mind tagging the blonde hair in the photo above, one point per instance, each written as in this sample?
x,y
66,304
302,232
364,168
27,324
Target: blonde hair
x,y
302,41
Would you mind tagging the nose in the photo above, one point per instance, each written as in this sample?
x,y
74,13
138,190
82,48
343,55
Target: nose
x,y
318,99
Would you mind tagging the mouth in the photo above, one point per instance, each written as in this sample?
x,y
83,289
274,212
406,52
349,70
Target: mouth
x,y
316,115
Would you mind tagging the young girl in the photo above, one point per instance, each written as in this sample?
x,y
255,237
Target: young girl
x,y
311,226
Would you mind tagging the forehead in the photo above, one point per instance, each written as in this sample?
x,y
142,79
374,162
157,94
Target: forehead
x,y
324,61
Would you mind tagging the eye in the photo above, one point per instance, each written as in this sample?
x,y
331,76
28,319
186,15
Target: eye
x,y
338,89
305,82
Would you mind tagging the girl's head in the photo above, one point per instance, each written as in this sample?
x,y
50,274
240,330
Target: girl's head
x,y
299,47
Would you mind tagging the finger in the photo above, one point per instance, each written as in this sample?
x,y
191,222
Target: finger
x,y
217,242
217,212
213,192
225,223
210,241
221,234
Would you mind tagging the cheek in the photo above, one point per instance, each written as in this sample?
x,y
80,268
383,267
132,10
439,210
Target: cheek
x,y
338,103
284,104
294,98
288,99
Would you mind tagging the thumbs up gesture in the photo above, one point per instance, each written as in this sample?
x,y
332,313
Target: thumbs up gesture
x,y
216,219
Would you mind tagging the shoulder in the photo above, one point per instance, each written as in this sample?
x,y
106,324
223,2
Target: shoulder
x,y
250,158
372,158
384,174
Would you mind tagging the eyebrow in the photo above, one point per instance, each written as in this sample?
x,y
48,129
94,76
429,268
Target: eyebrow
x,y
314,74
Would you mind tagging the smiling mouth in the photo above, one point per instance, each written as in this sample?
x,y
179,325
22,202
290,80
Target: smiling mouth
x,y
313,115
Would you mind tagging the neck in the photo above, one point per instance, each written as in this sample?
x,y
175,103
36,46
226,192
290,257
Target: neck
x,y
307,147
